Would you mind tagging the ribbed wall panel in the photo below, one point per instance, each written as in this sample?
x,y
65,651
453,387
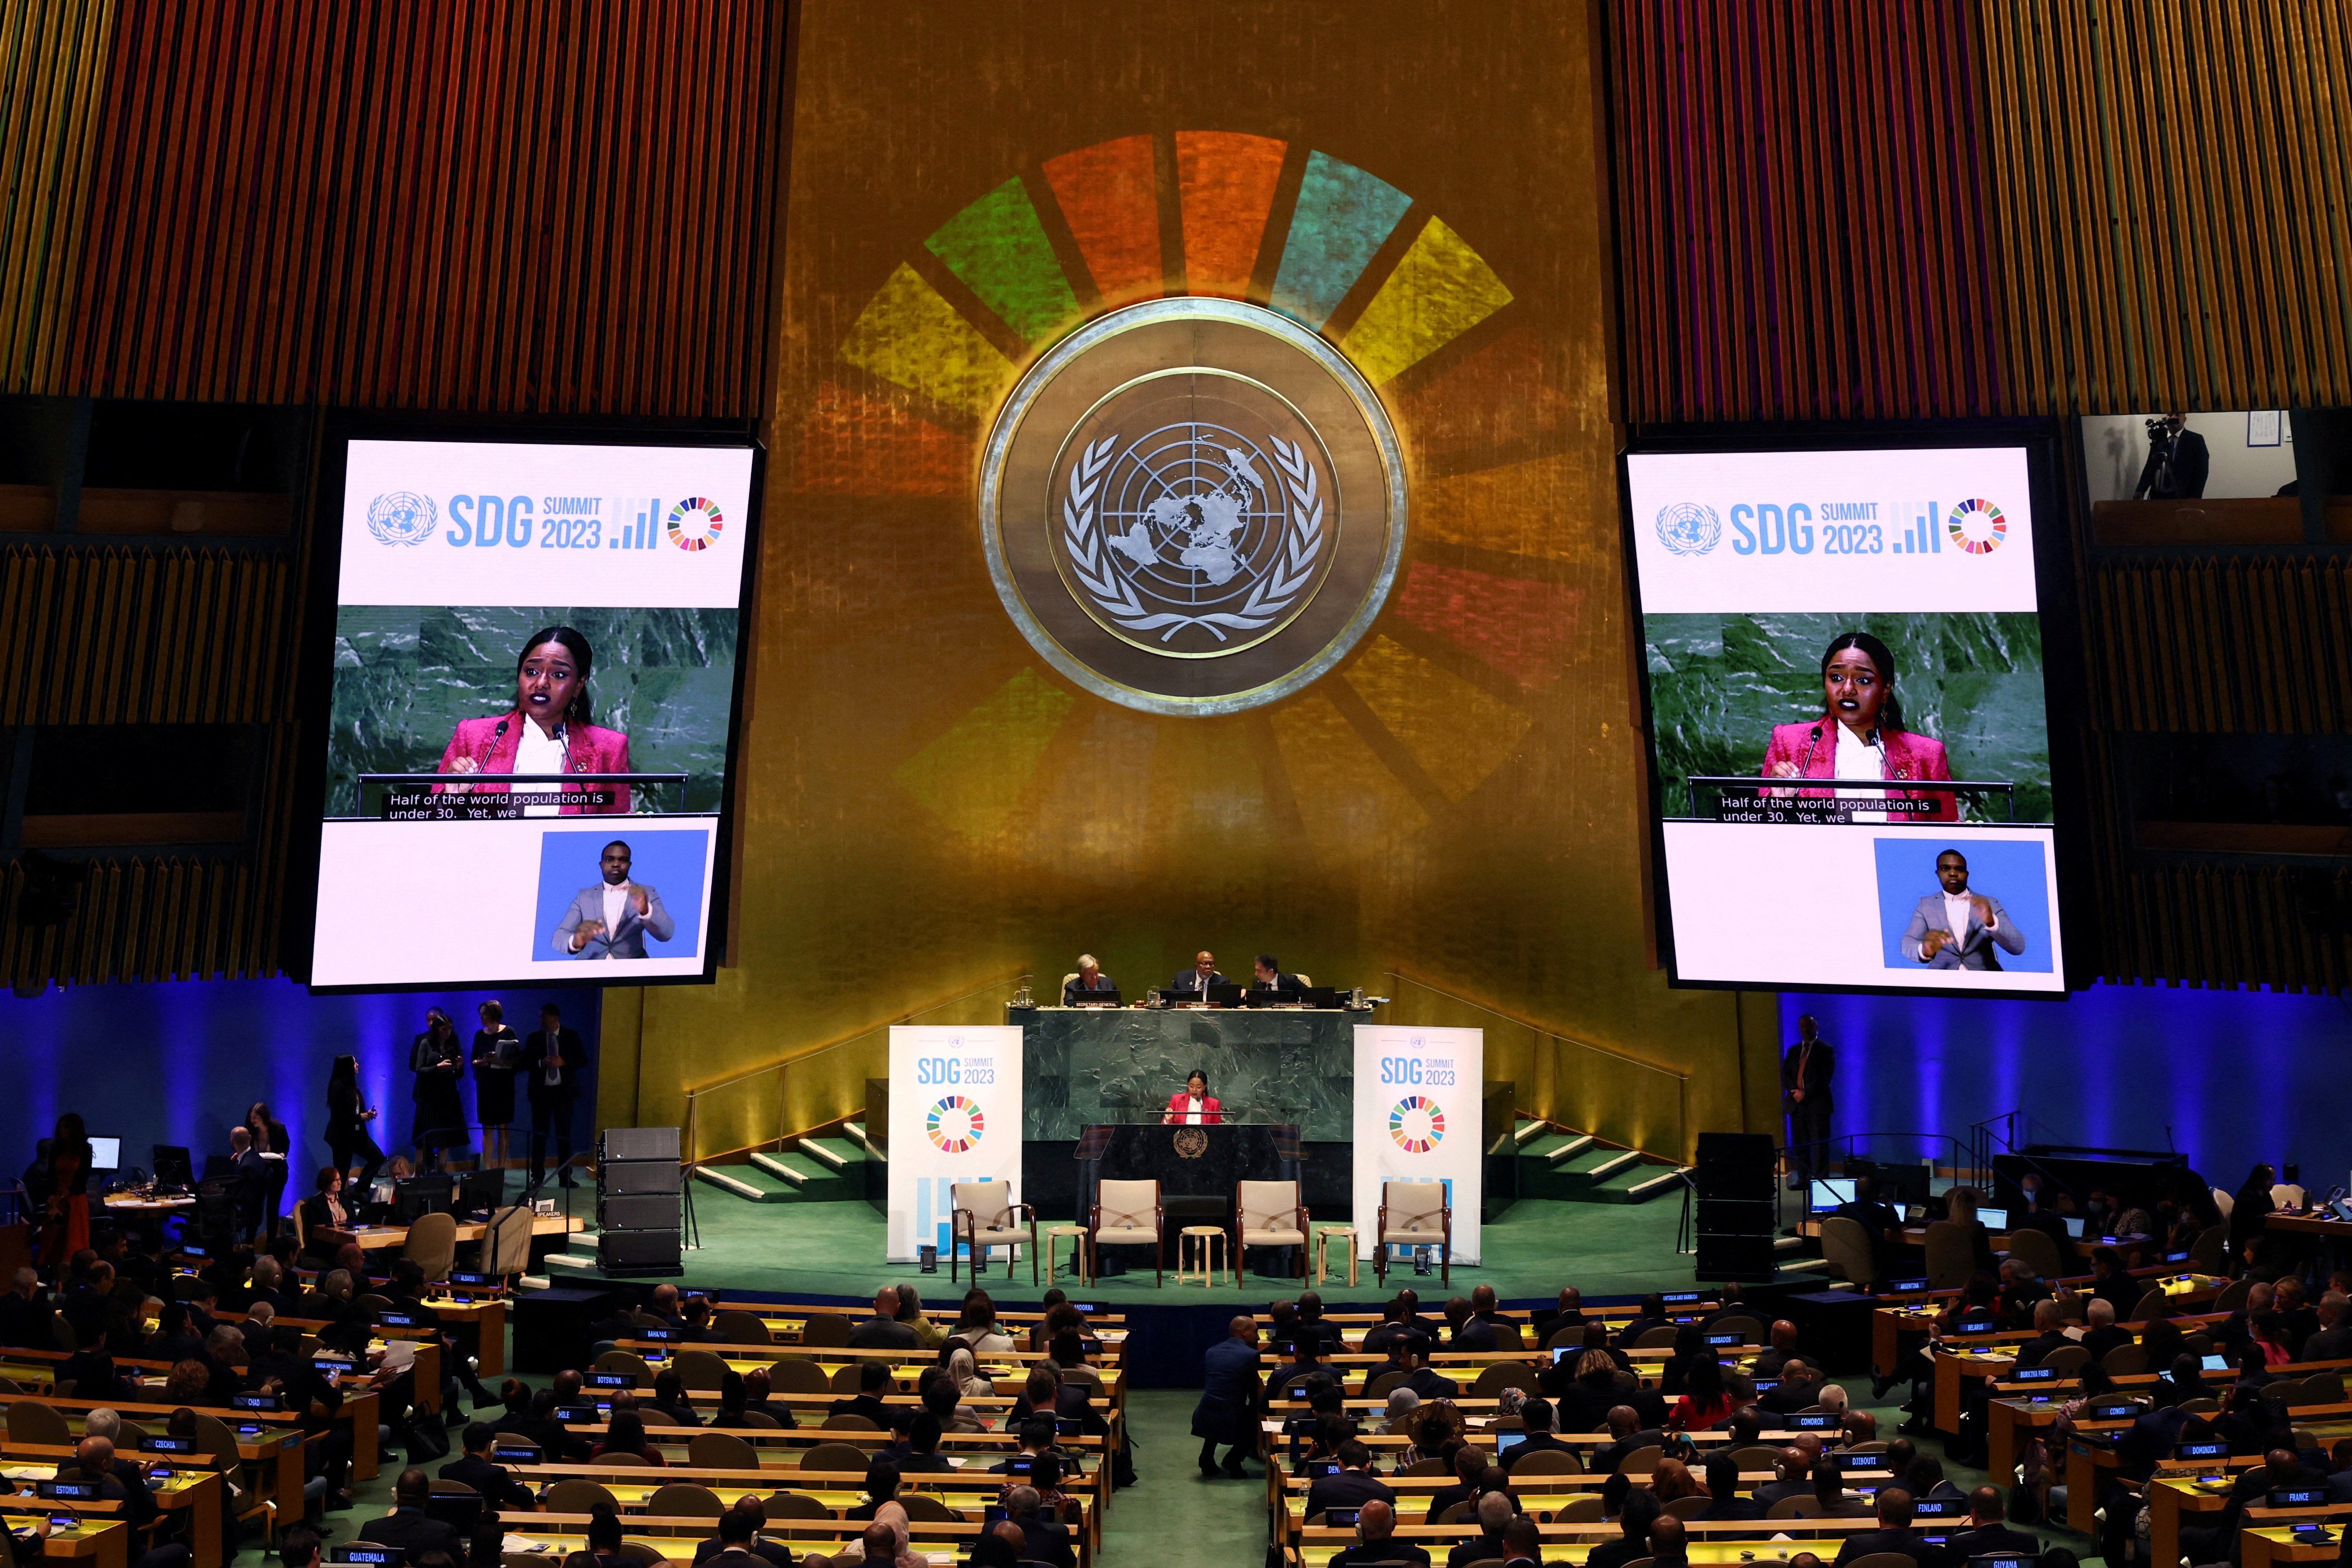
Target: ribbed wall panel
x,y
1801,225
2173,185
133,636
53,57
2255,646
514,205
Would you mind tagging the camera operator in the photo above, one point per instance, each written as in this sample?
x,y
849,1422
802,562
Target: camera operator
x,y
2175,470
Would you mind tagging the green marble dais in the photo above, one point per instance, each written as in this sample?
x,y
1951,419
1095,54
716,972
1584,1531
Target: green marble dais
x,y
1080,1067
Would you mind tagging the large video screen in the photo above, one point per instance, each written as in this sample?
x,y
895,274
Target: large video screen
x,y
532,711
1848,728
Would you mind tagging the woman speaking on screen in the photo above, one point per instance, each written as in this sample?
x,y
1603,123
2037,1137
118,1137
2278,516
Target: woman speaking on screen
x,y
547,731
1860,735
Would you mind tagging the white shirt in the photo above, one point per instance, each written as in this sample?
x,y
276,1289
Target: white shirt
x,y
538,752
1191,1110
1956,911
616,899
1859,759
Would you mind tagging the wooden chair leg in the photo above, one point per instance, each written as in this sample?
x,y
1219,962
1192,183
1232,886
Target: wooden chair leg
x,y
1033,1252
1446,1262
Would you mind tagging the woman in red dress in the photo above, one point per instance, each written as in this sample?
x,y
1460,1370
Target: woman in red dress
x,y
1193,1103
1860,735
547,730
62,1172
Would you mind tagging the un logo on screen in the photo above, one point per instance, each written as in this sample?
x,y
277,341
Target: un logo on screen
x,y
402,518
1688,528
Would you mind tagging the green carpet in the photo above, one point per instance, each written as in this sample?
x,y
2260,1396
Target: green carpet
x,y
836,1250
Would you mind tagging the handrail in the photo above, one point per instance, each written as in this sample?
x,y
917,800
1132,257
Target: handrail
x,y
1680,1079
1540,1028
693,1155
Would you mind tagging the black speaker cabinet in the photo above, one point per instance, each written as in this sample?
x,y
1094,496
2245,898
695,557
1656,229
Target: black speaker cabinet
x,y
641,1144
640,1251
1736,1217
631,1177
1747,1258
644,1211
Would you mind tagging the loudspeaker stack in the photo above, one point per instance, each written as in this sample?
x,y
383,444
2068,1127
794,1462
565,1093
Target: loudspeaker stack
x,y
1735,1206
639,1203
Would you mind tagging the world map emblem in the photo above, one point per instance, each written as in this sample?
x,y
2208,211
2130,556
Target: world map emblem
x,y
402,518
1193,506
1687,527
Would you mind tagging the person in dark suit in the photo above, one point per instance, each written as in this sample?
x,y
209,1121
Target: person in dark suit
x,y
2103,1333
738,1542
1197,979
1778,1353
2112,1283
477,1470
1382,1337
553,1059
1806,1076
1536,1415
1626,1435
408,1527
1309,1322
2334,1340
1893,1534
1800,1388
1549,1321
1723,1489
1407,1356
2178,462
1986,1534
1642,1511
1045,1538
1228,1408
1650,1314
1089,978
1353,1487
873,1383
1493,1513
1266,975
1376,1543
882,1331
1588,1396
1465,1330
2049,1321
2034,1214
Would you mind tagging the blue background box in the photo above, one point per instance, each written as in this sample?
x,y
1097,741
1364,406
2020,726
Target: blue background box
x,y
669,859
2012,871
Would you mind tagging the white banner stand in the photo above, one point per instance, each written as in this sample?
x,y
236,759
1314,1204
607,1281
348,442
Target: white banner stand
x,y
1420,1100
955,1115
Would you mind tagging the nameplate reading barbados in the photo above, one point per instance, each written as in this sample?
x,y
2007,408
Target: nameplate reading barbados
x,y
533,700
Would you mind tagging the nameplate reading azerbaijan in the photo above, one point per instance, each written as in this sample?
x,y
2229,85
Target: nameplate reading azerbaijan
x,y
422,805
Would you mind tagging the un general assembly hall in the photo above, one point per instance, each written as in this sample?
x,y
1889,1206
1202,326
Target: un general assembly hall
x,y
669,666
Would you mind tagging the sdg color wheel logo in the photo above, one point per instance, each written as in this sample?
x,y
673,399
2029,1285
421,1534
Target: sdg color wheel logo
x,y
402,518
1978,527
1417,1124
955,1124
694,524
1688,528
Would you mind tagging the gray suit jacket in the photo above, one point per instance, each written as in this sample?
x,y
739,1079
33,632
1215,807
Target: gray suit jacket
x,y
629,941
1975,948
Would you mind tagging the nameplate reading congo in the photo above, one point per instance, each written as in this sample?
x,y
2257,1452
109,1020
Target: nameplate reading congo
x,y
425,805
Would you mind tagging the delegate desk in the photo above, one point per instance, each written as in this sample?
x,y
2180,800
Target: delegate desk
x,y
191,1489
1085,1066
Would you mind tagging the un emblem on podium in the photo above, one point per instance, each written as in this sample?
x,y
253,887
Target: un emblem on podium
x,y
1191,1142
1193,506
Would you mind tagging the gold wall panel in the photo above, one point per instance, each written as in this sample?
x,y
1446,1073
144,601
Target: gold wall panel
x,y
927,806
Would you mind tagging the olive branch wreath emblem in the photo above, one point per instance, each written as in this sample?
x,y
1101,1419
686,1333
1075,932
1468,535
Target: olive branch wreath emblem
x,y
1117,598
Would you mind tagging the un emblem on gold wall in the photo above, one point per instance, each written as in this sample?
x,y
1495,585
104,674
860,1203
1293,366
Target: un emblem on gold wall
x,y
1193,506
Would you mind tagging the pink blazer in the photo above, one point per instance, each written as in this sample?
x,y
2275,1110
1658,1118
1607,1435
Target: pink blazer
x,y
1212,1113
586,749
1908,756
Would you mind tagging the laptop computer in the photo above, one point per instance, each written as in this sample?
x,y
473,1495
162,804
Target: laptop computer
x,y
2074,1227
1224,996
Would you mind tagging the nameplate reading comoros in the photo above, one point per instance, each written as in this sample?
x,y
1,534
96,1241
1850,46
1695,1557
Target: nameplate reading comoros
x,y
424,805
